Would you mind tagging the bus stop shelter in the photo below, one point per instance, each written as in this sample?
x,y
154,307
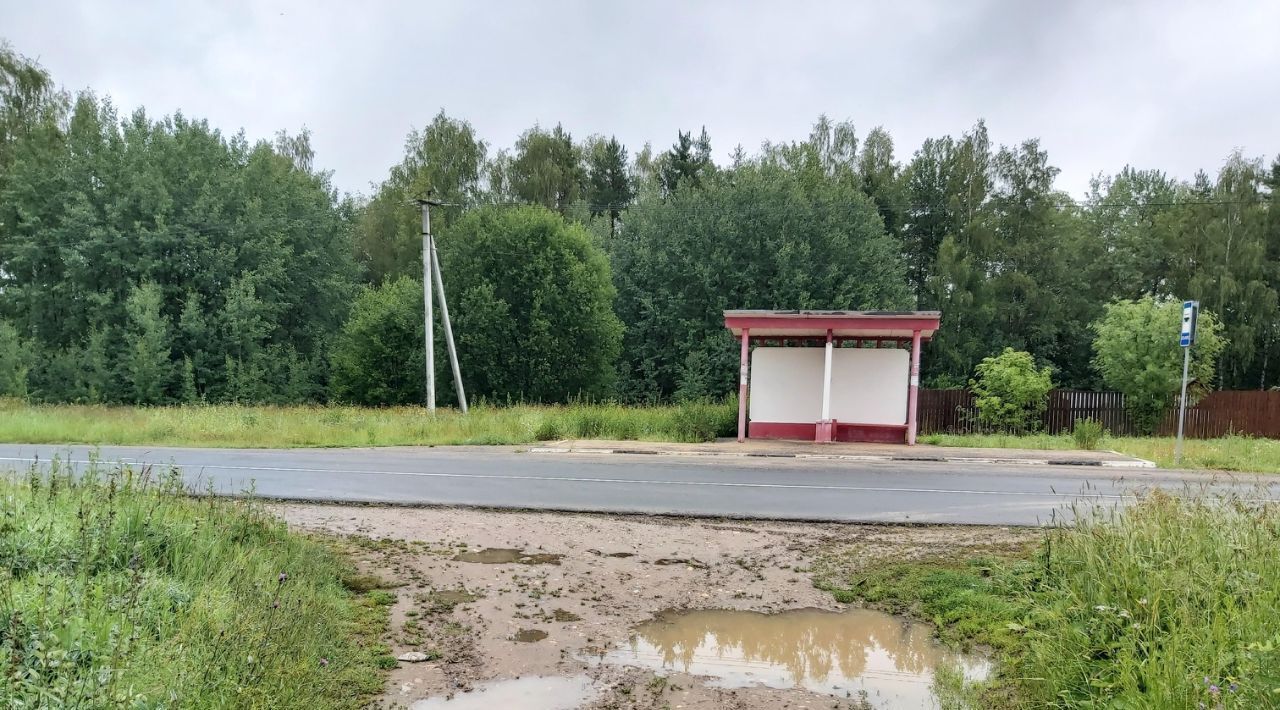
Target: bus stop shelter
x,y
830,375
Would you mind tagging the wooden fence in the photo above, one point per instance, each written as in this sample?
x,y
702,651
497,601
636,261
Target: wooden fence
x,y
1252,412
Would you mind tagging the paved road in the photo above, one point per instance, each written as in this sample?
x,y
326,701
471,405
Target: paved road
x,y
760,488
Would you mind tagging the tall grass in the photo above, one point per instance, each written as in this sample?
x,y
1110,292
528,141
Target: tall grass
x,y
1227,453
116,590
1172,603
295,426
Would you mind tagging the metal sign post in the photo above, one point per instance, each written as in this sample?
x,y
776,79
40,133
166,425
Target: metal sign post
x,y
1185,338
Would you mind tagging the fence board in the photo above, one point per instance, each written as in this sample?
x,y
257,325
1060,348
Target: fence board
x,y
1250,412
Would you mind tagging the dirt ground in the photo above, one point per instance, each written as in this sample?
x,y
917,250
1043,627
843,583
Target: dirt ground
x,y
581,582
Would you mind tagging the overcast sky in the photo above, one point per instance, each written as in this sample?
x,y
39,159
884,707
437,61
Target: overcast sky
x,y
1172,84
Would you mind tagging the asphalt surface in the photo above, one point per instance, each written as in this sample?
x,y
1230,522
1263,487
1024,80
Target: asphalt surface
x,y
898,492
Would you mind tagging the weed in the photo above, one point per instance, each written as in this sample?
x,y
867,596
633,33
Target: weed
x,y
119,590
1087,433
1173,602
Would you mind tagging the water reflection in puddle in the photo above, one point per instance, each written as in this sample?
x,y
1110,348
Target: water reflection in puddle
x,y
839,653
505,556
531,693
529,635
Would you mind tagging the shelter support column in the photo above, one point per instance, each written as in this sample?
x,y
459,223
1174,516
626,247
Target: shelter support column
x,y
826,429
743,369
913,390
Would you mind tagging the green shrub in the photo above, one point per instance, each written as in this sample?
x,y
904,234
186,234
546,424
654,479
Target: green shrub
x,y
1087,433
1137,353
377,357
1010,392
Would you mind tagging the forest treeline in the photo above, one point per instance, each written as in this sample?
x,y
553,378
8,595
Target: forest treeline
x,y
159,260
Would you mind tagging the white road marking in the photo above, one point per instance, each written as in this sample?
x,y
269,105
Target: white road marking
x,y
623,481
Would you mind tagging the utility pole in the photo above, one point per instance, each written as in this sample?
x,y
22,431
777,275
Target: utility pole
x,y
426,299
431,268
1186,338
448,330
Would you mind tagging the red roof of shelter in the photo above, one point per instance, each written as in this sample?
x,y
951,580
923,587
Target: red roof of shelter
x,y
848,324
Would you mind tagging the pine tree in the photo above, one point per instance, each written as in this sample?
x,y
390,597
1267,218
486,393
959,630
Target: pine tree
x,y
609,188
687,163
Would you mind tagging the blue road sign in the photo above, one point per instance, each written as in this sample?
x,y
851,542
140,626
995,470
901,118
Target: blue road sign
x,y
1188,334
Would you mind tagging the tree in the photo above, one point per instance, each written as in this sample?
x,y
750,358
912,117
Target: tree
x,y
878,174
760,236
377,358
13,363
1225,253
1010,392
547,169
1136,347
30,104
830,153
446,161
1126,214
97,204
947,236
147,367
534,317
609,188
687,163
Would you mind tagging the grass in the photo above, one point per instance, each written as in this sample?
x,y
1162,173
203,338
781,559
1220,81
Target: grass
x,y
117,590
299,426
1228,453
1174,603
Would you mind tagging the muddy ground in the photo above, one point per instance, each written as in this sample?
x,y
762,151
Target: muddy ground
x,y
580,583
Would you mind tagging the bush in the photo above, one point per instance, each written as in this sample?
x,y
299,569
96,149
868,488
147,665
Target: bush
x,y
1087,433
534,305
378,356
1137,353
1010,392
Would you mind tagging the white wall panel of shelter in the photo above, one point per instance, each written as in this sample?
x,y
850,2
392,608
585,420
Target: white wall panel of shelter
x,y
868,385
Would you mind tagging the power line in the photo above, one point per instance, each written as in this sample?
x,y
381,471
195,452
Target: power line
x,y
222,230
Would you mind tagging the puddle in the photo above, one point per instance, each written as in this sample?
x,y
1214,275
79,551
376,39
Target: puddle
x,y
453,597
504,556
529,693
444,600
689,561
838,653
565,615
620,555
529,635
